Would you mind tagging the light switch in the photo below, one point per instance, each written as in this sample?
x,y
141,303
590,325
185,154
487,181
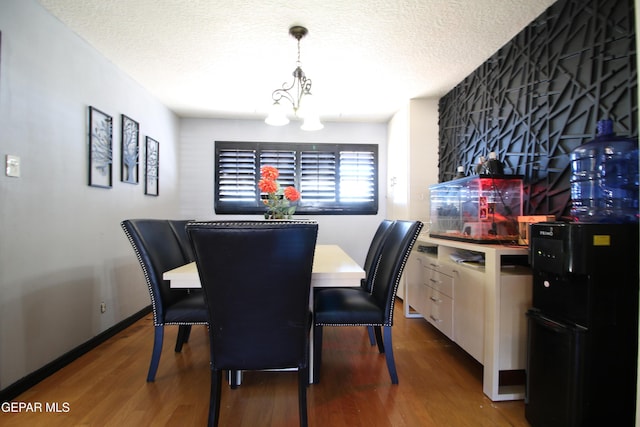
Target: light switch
x,y
13,166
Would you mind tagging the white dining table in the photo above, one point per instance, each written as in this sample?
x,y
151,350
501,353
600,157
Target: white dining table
x,y
332,267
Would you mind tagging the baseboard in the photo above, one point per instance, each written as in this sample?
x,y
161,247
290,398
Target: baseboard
x,y
35,377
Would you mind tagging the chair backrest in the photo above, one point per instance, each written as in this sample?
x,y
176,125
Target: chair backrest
x,y
373,254
158,250
179,227
256,278
395,252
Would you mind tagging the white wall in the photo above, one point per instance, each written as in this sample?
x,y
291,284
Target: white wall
x,y
352,232
423,155
412,162
62,251
413,159
397,184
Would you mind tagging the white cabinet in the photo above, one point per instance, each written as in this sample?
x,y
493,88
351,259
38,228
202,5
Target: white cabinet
x,y
449,296
440,311
469,312
515,300
430,291
438,288
479,306
414,286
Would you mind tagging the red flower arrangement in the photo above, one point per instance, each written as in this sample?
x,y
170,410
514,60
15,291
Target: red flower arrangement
x,y
278,200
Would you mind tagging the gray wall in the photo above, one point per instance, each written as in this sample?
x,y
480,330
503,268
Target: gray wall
x,y
62,251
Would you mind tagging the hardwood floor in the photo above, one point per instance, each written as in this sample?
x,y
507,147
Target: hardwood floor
x,y
440,385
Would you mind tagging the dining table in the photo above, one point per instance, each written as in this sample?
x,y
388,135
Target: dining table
x,y
332,267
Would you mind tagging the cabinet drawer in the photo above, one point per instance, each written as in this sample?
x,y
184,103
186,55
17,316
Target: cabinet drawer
x,y
440,312
441,267
439,281
419,298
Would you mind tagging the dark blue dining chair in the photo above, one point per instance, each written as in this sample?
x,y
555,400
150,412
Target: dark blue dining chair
x,y
371,262
158,250
359,307
179,227
256,278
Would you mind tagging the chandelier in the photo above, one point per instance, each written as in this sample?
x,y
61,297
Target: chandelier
x,y
298,93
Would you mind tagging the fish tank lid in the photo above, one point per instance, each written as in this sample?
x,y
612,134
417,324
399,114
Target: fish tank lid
x,y
471,177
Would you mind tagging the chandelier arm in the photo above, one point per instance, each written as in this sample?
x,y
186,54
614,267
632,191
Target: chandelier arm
x,y
278,94
302,85
306,85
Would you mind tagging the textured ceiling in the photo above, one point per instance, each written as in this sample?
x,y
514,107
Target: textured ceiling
x,y
366,58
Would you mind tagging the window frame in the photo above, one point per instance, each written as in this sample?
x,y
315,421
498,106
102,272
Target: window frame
x,y
336,207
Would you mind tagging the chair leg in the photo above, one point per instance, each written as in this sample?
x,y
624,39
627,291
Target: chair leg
x,y
233,379
391,364
158,337
372,338
214,399
303,382
317,353
379,339
187,335
183,336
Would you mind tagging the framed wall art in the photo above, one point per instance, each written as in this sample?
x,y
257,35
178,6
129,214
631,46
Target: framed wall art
x,y
130,151
100,149
152,154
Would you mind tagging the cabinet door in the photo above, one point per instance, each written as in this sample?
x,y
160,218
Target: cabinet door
x,y
469,311
515,300
415,296
440,312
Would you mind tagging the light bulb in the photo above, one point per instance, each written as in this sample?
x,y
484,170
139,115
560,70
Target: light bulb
x,y
311,123
277,115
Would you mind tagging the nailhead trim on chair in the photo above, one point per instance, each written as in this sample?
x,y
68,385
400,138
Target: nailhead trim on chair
x,y
264,223
375,270
395,287
148,280
404,262
375,273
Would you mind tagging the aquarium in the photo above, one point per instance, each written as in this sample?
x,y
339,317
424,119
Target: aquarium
x,y
480,208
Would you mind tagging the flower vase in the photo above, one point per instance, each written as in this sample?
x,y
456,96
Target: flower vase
x,y
273,217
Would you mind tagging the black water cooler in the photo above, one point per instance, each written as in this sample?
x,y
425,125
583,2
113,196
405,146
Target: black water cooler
x,y
583,327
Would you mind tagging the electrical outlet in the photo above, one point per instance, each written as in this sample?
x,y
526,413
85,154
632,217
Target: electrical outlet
x,y
103,307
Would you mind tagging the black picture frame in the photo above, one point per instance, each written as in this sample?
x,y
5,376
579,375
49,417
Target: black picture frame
x,y
152,162
130,151
100,148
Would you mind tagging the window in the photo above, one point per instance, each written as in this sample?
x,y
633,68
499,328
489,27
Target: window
x,y
331,178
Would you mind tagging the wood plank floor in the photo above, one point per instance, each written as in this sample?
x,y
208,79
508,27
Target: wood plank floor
x,y
440,385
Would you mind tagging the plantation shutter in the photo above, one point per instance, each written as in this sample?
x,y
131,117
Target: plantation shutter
x,y
357,176
237,176
285,161
318,177
331,178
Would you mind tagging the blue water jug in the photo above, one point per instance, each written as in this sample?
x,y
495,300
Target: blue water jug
x,y
604,178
